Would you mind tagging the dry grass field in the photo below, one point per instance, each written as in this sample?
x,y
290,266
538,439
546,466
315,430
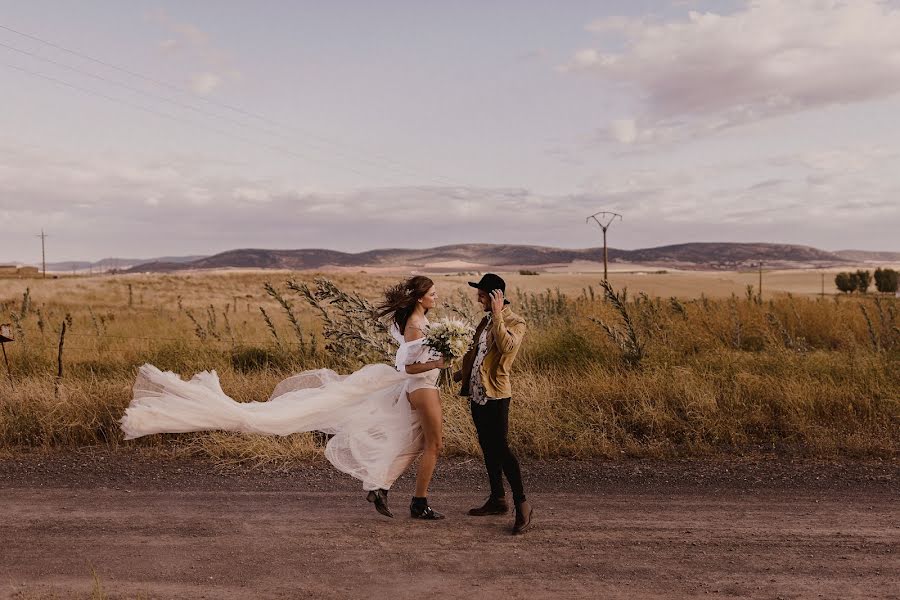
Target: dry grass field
x,y
702,367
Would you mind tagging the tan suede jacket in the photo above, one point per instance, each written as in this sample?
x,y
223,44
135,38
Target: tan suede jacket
x,y
503,342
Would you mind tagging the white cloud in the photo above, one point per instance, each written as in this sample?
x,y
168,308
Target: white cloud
x,y
838,160
255,195
587,58
802,193
713,71
203,207
192,46
194,35
204,83
624,130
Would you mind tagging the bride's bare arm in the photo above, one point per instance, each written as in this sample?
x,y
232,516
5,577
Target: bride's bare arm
x,y
416,368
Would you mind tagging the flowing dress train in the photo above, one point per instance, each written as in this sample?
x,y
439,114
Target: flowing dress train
x,y
375,432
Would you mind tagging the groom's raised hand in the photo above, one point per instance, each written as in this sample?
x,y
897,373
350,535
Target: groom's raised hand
x,y
497,302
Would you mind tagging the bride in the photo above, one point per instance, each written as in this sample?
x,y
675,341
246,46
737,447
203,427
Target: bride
x,y
381,418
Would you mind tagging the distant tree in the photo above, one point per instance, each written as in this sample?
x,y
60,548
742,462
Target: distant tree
x,y
886,280
863,281
845,282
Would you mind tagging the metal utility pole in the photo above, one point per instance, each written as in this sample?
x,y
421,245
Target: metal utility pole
x,y
604,221
43,236
760,281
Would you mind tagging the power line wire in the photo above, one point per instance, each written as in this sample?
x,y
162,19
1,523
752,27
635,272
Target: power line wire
x,y
181,90
165,99
119,84
181,120
278,149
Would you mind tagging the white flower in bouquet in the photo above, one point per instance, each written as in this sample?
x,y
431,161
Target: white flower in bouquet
x,y
449,337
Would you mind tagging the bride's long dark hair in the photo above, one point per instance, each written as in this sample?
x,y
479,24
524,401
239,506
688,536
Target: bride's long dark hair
x,y
400,300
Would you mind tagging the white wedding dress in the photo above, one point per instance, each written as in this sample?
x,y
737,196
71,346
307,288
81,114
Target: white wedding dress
x,y
376,433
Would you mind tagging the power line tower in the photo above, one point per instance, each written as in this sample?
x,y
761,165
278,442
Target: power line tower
x,y
604,219
43,237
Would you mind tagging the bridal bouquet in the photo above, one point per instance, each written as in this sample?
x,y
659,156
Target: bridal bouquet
x,y
449,337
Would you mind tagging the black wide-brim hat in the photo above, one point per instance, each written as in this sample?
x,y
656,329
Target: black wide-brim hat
x,y
490,282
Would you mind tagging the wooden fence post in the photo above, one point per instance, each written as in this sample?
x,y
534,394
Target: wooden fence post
x,y
6,336
59,358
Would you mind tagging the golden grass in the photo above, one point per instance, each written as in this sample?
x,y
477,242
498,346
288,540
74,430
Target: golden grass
x,y
807,375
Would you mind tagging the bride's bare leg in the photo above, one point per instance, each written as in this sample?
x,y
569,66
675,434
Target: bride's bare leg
x,y
404,460
427,403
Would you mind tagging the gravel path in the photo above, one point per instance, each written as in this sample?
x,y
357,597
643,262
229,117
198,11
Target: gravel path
x,y
173,528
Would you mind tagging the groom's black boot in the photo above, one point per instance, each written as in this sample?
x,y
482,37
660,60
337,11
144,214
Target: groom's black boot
x,y
493,506
523,517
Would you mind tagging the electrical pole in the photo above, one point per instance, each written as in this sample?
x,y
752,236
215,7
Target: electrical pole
x,y
760,282
43,236
605,220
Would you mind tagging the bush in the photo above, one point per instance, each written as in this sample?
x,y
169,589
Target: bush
x,y
845,282
886,280
863,280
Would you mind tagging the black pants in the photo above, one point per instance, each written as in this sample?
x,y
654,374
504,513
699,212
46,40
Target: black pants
x,y
492,423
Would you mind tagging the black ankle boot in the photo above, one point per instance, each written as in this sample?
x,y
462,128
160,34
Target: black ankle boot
x,y
523,517
419,509
379,499
494,506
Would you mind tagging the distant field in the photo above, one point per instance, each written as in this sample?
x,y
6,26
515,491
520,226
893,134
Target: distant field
x,y
218,286
702,368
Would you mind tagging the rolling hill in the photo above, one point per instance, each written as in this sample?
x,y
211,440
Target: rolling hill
x,y
867,256
722,256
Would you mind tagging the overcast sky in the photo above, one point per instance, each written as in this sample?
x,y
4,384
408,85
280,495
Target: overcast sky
x,y
141,129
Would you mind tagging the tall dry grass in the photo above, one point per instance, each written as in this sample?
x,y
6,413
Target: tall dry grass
x,y
812,376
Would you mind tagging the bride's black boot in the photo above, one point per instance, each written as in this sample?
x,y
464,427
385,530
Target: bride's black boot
x,y
419,509
379,499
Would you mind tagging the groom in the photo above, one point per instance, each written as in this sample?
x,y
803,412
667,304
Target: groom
x,y
485,379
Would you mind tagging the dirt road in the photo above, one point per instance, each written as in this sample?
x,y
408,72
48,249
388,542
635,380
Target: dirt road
x,y
155,528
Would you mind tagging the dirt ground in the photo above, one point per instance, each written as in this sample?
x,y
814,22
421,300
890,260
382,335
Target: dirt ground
x,y
164,528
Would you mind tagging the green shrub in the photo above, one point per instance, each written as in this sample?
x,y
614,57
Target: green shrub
x,y
886,280
845,282
863,280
